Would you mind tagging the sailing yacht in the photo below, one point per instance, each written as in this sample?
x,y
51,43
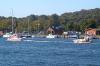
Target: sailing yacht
x,y
13,36
26,34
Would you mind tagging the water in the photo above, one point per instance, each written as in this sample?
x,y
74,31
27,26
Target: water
x,y
49,52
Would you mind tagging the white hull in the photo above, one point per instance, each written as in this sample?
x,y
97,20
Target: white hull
x,y
72,36
14,37
6,35
80,41
51,36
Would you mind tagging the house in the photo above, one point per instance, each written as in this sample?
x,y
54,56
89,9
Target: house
x,y
55,30
92,32
50,31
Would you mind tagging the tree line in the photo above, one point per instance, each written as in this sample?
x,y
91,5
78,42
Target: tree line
x,y
72,21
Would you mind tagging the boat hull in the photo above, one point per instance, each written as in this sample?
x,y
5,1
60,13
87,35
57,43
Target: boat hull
x,y
51,36
14,39
6,36
81,41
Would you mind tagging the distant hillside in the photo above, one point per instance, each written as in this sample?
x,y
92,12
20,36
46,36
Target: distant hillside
x,y
78,20
79,16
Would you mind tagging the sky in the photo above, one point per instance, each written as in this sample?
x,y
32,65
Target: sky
x,y
23,8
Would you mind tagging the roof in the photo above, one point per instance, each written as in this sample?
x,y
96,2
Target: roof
x,y
98,29
50,29
89,29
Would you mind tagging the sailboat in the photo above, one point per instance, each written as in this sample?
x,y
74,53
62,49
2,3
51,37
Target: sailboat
x,y
26,34
14,36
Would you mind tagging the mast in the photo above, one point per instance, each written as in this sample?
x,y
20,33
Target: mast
x,y
12,22
38,25
28,26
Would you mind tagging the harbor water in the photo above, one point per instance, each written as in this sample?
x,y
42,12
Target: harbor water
x,y
49,52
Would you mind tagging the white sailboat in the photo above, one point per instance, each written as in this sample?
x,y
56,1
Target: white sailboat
x,y
26,34
14,36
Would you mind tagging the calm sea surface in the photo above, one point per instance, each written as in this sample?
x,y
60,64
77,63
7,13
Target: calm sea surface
x,y
49,52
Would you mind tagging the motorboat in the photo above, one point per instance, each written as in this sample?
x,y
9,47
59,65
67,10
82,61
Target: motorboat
x,y
14,37
26,36
51,36
6,35
83,40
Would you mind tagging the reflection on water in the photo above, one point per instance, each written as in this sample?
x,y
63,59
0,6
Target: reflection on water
x,y
49,52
